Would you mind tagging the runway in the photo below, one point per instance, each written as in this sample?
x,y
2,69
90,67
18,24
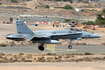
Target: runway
x,y
59,49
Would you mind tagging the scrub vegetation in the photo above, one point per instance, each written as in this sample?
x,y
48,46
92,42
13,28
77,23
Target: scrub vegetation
x,y
68,7
99,21
49,57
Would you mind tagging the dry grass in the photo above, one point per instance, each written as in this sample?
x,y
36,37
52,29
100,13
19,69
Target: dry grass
x,y
87,57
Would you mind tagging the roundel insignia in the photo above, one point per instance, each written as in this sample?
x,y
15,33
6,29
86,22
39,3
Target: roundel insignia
x,y
24,38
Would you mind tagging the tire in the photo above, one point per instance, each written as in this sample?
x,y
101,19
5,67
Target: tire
x,y
70,47
41,48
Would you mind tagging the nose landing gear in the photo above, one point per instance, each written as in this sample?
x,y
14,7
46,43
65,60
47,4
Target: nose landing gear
x,y
69,46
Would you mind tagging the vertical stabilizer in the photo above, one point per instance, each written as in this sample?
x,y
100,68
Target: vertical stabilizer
x,y
22,28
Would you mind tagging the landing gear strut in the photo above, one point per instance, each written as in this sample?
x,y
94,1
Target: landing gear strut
x,y
69,46
40,47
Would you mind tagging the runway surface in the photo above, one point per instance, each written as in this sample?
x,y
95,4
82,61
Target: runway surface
x,y
59,49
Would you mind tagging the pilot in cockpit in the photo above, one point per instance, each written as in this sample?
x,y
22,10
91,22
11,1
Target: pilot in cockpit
x,y
74,29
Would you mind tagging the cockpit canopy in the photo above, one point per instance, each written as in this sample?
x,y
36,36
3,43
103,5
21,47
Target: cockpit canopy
x,y
74,29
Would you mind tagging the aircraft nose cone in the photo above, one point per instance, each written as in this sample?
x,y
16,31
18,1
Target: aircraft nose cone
x,y
95,36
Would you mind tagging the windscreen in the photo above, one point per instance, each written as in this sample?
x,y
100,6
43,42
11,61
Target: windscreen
x,y
74,29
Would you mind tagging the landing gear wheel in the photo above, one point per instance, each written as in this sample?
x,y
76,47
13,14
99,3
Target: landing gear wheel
x,y
70,47
41,48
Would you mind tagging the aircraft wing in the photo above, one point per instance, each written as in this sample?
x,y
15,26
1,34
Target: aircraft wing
x,y
42,36
39,36
45,35
57,34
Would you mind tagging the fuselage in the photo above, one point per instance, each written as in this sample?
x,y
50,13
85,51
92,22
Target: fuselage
x,y
54,34
69,34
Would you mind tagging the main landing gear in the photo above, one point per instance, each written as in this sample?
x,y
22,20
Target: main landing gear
x,y
40,47
69,46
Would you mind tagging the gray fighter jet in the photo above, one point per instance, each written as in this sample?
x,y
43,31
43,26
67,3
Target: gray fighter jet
x,y
48,36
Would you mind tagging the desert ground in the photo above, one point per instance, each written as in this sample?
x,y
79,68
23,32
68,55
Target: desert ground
x,y
54,66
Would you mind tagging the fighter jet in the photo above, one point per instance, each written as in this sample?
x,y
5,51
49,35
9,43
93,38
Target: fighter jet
x,y
48,36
